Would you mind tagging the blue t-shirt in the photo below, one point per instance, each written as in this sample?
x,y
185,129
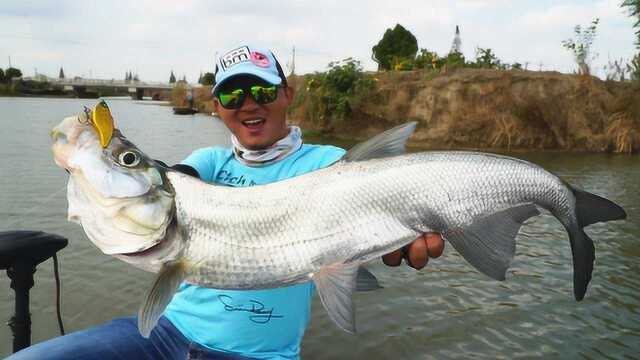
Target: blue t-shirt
x,y
262,324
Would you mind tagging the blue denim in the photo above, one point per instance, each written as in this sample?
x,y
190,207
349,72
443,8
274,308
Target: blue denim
x,y
120,339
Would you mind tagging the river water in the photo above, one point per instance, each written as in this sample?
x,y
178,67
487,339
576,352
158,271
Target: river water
x,y
447,310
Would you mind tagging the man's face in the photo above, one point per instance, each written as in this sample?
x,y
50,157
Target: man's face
x,y
256,126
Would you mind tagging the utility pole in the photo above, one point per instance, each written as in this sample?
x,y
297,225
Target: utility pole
x,y
10,61
293,61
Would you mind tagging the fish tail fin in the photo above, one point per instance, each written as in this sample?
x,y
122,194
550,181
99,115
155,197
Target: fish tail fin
x,y
590,209
158,297
584,254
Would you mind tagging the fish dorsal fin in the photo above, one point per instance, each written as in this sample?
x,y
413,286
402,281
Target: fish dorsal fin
x,y
336,284
489,244
389,143
164,287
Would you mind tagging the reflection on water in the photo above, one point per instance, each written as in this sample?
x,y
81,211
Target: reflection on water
x,y
448,310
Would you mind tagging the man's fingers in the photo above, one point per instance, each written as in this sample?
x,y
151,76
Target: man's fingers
x,y
435,244
393,258
417,253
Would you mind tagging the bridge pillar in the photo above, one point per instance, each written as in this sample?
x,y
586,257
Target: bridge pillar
x,y
85,93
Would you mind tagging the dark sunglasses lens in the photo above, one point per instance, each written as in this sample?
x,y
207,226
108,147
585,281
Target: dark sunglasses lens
x,y
264,94
231,99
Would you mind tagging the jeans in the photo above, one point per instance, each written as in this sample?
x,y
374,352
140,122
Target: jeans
x,y
120,339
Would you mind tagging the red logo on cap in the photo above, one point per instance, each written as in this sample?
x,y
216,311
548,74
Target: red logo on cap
x,y
259,59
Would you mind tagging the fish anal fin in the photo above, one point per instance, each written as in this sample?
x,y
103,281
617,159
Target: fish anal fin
x,y
489,243
158,297
335,285
388,143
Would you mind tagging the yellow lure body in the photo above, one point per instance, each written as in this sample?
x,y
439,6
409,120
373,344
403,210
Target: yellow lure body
x,y
103,122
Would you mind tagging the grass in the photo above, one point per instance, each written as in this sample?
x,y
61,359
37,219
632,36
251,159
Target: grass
x,y
623,133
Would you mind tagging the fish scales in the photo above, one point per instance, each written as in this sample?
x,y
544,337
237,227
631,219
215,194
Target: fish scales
x,y
357,210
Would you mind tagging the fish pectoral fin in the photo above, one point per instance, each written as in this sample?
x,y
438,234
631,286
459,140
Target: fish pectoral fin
x,y
164,287
489,243
389,143
336,284
366,281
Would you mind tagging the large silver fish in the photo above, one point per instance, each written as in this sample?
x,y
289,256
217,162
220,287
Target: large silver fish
x,y
321,226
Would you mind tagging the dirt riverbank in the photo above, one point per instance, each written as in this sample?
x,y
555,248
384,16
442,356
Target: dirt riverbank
x,y
482,109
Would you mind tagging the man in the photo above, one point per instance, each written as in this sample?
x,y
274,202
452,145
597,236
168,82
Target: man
x,y
251,97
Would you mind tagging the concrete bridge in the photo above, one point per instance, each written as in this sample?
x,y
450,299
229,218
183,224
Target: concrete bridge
x,y
94,88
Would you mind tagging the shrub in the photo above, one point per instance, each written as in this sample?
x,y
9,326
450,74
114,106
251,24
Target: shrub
x,y
427,60
486,59
332,96
633,68
454,59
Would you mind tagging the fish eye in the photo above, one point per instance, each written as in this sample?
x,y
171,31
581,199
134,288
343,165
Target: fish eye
x,y
129,158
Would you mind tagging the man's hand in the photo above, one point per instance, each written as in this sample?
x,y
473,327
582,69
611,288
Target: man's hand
x,y
417,254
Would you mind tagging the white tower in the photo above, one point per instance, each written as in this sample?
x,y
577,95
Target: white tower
x,y
456,46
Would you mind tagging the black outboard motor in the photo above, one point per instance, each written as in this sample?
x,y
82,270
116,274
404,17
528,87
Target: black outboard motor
x,y
20,253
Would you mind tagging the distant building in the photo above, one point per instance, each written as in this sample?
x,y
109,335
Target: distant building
x,y
456,46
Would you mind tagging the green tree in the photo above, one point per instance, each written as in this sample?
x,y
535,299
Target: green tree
x,y
172,78
208,78
634,11
581,46
61,74
397,44
2,78
11,73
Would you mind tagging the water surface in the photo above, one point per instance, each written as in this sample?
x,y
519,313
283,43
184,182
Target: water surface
x,y
448,310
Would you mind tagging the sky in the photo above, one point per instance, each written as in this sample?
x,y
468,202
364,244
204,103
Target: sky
x,y
105,39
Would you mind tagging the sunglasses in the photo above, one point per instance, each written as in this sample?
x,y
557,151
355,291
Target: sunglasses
x,y
234,98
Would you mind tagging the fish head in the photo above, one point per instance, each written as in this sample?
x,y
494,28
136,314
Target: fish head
x,y
120,196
